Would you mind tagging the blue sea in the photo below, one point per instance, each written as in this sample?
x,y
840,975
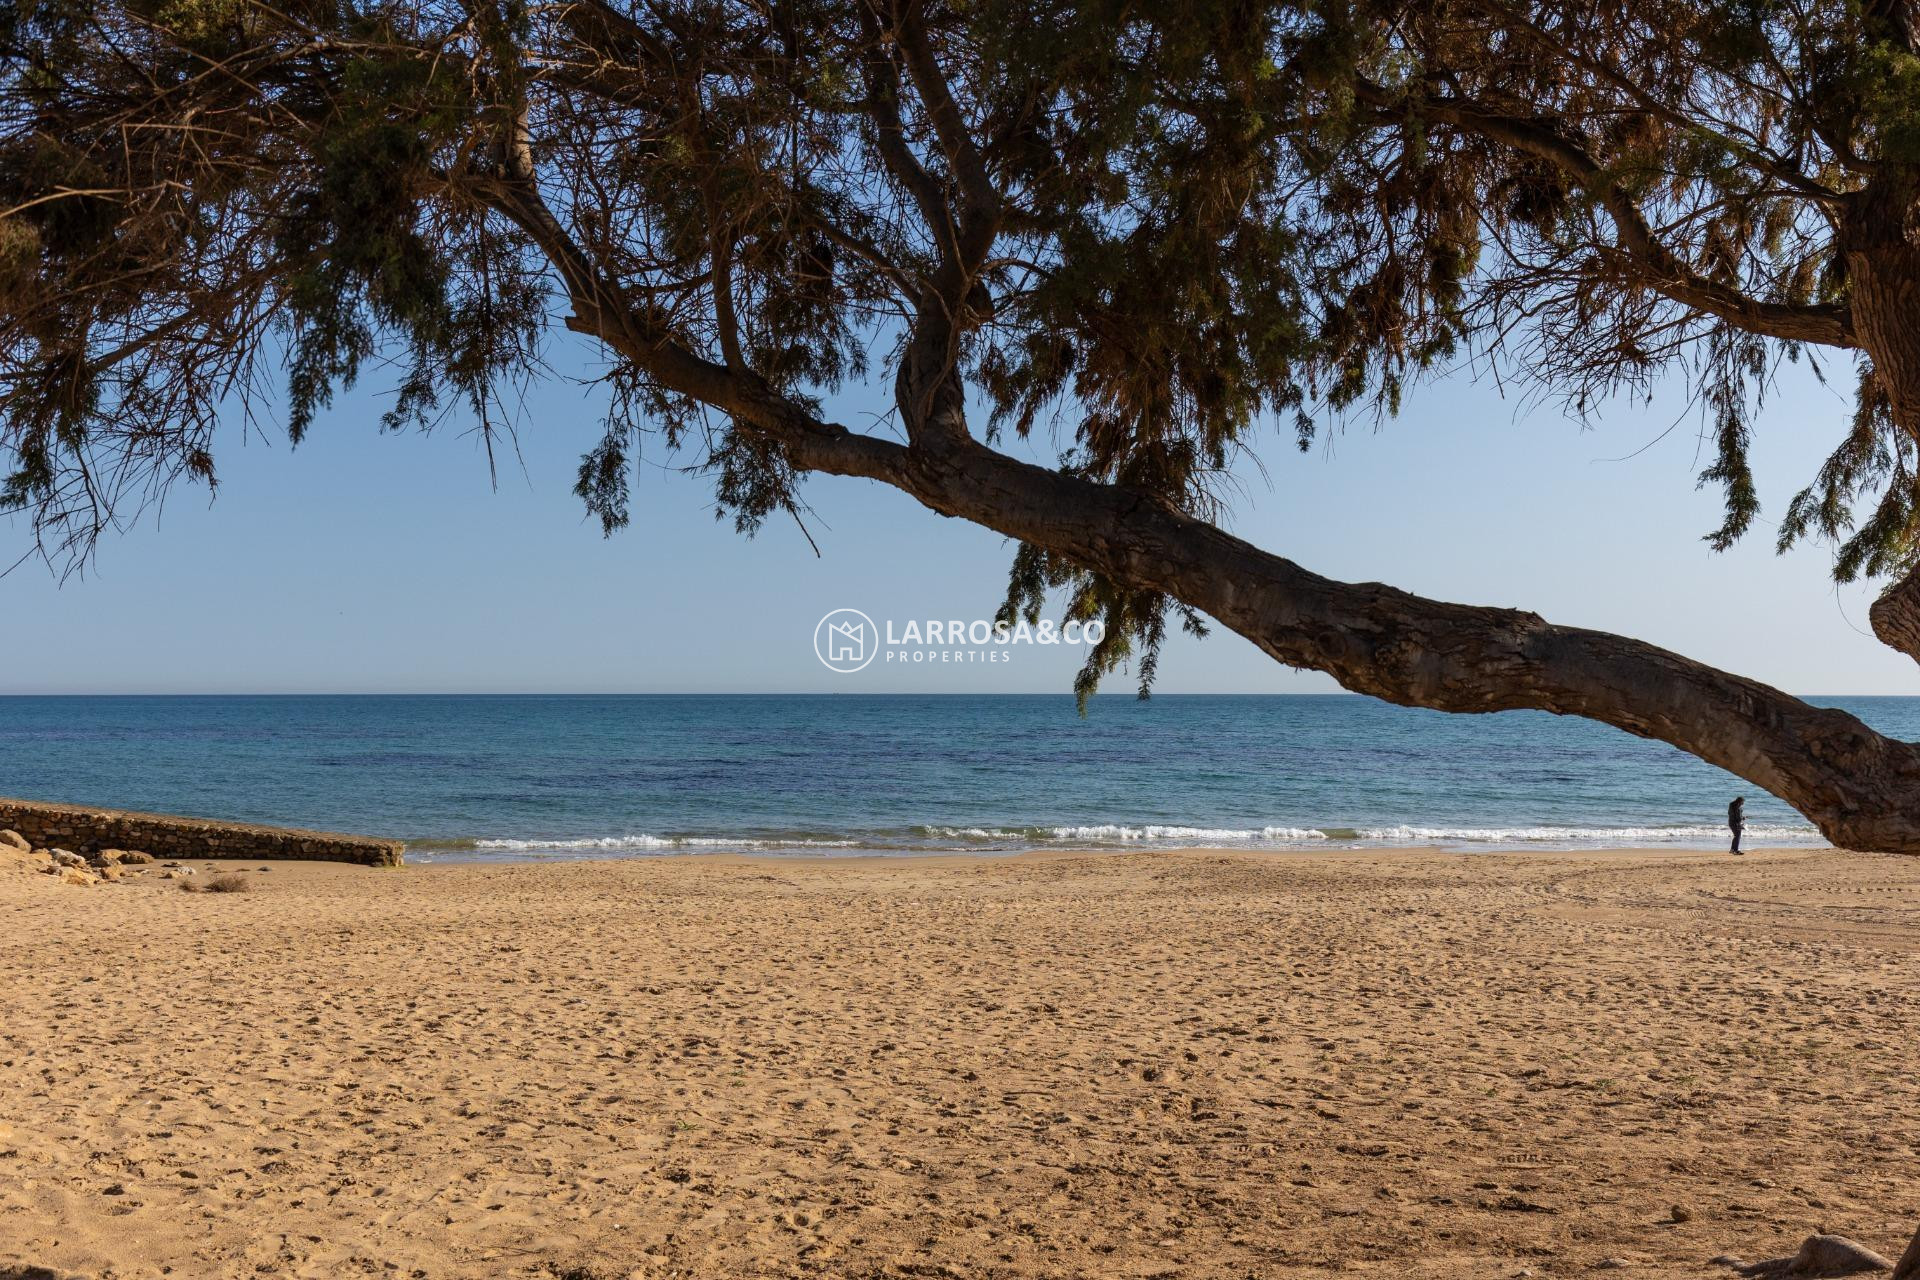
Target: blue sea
x,y
525,777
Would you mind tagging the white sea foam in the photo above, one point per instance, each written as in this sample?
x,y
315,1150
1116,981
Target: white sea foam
x,y
1622,836
1619,837
1116,831
921,838
647,842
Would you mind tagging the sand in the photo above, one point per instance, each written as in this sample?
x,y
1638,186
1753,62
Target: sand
x,y
1180,1065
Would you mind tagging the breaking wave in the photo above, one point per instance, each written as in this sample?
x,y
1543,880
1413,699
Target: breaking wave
x,y
647,843
1153,833
928,838
1125,834
1609,836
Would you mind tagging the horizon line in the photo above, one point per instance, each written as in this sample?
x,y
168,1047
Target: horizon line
x,y
761,693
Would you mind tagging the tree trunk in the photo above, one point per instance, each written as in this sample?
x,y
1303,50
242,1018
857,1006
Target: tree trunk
x,y
1880,241
1908,1268
1895,615
1860,788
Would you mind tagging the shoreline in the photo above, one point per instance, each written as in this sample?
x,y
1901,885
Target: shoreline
x,y
842,857
1205,1064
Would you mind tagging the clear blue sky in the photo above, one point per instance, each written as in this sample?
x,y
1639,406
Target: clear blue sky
x,y
362,562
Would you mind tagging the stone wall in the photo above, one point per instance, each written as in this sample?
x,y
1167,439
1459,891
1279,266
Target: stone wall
x,y
84,830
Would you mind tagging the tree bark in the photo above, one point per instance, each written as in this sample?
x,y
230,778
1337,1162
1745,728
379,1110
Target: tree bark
x,y
1895,615
1908,1268
1880,240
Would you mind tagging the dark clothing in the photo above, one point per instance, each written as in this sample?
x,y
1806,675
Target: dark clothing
x,y
1736,819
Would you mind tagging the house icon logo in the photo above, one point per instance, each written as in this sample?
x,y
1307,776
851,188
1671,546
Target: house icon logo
x,y
845,640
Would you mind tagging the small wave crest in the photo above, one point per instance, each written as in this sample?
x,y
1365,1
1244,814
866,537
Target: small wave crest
x,y
1234,835
645,843
976,833
1620,836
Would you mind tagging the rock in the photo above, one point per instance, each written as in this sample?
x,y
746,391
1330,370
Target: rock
x,y
14,840
1821,1255
1680,1213
110,873
1826,1255
104,857
77,875
17,1272
15,856
131,856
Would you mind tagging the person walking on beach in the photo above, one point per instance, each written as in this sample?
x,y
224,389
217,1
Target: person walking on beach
x,y
1736,819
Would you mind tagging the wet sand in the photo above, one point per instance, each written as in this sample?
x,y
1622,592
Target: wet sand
x,y
1180,1065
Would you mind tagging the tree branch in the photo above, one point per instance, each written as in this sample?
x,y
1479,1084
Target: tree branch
x,y
1655,265
963,154
600,311
1766,161
883,108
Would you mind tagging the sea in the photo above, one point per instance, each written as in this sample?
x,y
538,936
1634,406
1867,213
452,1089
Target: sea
x,y
527,777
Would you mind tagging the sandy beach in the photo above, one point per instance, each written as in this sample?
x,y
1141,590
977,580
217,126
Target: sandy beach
x,y
1179,1065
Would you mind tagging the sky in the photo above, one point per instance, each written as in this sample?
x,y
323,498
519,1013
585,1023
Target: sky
x,y
363,562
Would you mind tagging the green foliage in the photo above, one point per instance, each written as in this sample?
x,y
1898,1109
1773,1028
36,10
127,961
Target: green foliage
x,y
356,258
1887,83
1876,455
1134,622
1737,359
1205,218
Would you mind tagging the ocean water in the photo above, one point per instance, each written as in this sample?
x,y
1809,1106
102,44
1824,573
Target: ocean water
x,y
520,777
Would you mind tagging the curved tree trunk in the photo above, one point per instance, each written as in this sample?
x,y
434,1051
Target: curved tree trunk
x,y
1895,615
1861,788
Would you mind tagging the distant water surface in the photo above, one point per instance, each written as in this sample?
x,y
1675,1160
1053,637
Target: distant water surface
x,y
519,777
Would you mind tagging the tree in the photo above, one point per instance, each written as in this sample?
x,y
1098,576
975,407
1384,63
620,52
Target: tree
x,y
1145,229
